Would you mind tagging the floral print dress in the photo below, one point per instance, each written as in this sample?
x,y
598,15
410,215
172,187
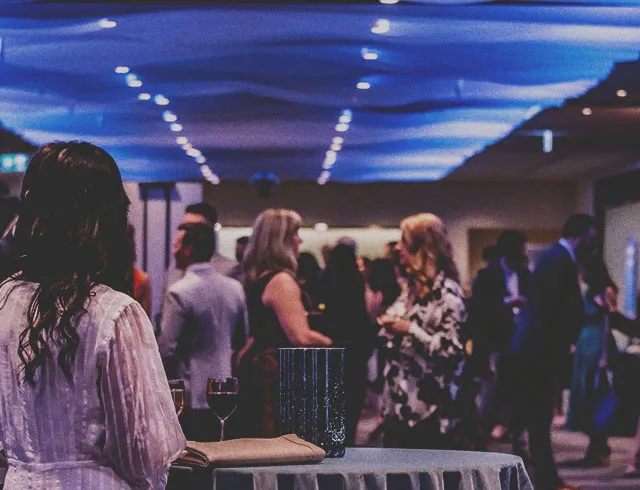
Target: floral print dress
x,y
422,367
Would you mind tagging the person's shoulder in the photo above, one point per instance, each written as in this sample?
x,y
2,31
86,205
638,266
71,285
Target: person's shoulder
x,y
107,301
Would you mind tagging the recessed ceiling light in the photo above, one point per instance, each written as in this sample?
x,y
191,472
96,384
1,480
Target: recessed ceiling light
x,y
363,86
389,2
381,26
587,111
342,127
122,69
336,147
186,146
201,159
176,127
134,83
144,96
337,140
169,116
107,24
161,100
368,54
194,152
621,93
182,140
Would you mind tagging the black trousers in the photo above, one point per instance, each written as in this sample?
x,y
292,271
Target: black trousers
x,y
537,391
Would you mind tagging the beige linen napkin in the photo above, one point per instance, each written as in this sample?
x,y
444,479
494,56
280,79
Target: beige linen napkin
x,y
286,449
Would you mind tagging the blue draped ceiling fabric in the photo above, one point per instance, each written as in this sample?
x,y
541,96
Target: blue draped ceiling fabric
x,y
342,92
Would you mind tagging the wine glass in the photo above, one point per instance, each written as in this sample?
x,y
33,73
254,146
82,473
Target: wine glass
x,y
222,394
177,394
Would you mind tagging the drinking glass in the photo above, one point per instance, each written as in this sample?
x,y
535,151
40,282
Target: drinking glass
x,y
222,395
177,394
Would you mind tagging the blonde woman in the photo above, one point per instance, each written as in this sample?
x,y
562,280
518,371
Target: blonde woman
x,y
424,351
277,317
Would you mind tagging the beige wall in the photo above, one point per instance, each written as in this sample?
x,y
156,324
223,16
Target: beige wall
x,y
462,205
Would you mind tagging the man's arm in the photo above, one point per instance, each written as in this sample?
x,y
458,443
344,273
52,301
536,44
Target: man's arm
x,y
174,317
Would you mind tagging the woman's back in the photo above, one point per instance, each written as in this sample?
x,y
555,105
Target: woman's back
x,y
112,426
263,321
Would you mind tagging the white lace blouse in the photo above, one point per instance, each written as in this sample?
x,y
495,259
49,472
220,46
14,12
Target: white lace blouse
x,y
112,427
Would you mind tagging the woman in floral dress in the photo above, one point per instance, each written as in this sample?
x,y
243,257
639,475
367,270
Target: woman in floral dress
x,y
425,354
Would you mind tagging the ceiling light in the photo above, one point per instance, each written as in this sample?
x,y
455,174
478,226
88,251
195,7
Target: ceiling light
x,y
381,26
547,141
122,69
134,83
217,227
161,100
321,227
186,146
389,2
342,127
336,147
107,24
201,159
363,86
345,117
194,152
169,116
368,54
621,93
337,140
176,127
324,177
144,96
182,140
587,111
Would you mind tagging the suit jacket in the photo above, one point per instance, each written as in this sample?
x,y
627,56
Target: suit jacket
x,y
203,315
554,314
491,321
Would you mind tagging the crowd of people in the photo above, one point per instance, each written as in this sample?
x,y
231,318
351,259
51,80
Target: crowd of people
x,y
84,395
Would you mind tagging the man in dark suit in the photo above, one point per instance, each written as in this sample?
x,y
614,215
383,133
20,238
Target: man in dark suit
x,y
499,293
548,326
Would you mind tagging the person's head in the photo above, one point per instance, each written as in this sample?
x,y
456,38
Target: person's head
x,y
308,267
201,212
71,235
343,258
424,249
274,244
511,247
241,246
383,278
490,254
325,250
194,244
389,248
580,232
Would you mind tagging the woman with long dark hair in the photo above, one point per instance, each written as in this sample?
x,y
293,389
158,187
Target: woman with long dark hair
x,y
84,401
348,324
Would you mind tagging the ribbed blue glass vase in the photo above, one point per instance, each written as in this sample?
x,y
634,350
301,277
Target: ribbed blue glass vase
x,y
312,403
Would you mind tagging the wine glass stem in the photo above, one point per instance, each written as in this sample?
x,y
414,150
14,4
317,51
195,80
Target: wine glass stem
x,y
221,429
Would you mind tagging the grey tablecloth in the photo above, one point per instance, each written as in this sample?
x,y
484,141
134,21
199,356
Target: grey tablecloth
x,y
384,469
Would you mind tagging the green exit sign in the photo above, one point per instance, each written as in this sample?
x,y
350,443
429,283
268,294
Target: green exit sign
x,y
14,162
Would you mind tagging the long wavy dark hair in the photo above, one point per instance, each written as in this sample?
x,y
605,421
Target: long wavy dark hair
x,y
71,236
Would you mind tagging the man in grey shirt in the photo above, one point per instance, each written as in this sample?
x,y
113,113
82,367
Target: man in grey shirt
x,y
204,320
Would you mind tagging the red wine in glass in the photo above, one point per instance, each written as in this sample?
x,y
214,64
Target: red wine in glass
x,y
222,394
